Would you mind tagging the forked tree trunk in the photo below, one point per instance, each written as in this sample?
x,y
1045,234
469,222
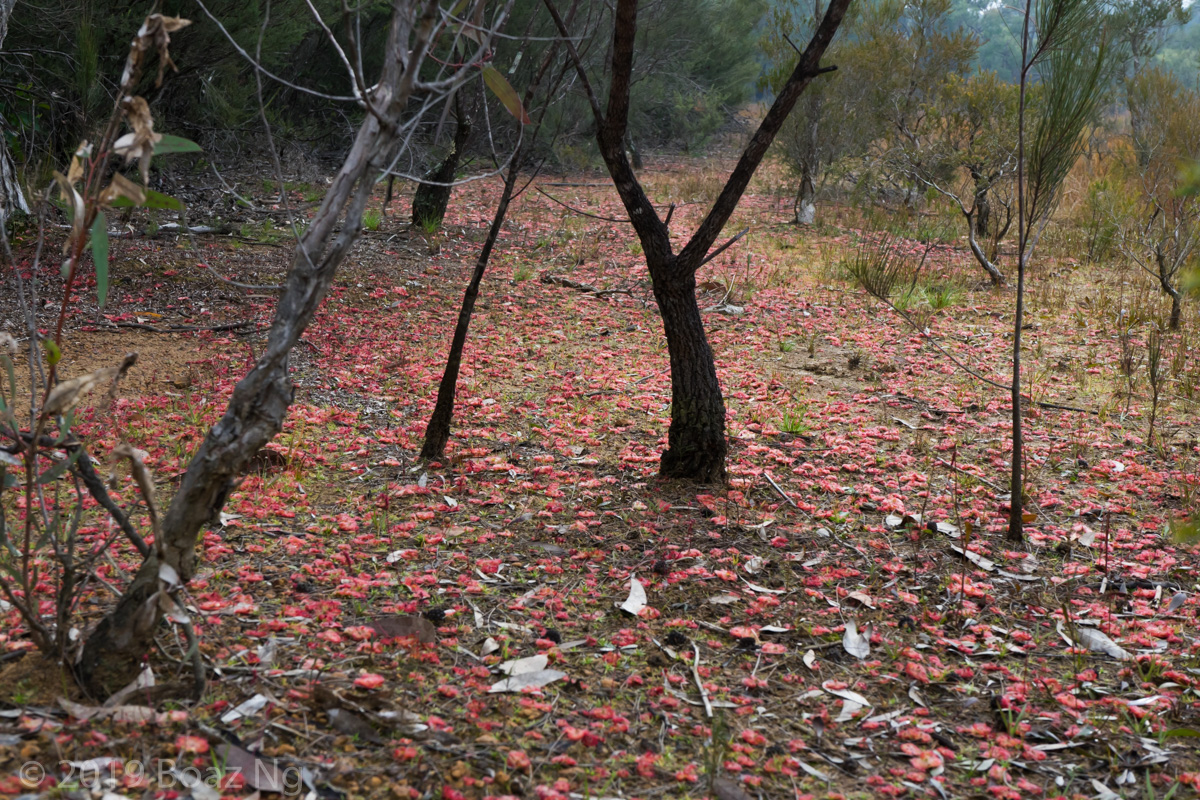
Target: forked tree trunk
x,y
696,439
113,651
12,199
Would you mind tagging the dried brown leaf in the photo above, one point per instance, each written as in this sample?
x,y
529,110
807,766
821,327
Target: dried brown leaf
x,y
402,626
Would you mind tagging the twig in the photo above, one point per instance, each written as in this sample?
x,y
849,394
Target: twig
x,y
570,284
95,487
708,712
1040,404
962,471
232,282
230,189
193,644
782,493
722,248
576,210
232,326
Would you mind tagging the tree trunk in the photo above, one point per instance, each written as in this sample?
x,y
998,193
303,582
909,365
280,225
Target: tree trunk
x,y
635,155
805,207
12,199
993,272
437,432
113,651
696,445
696,440
983,205
431,199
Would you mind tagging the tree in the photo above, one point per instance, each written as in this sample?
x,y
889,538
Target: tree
x,y
1063,44
833,122
1162,234
973,135
113,650
433,194
696,444
898,54
916,50
1142,27
437,431
11,197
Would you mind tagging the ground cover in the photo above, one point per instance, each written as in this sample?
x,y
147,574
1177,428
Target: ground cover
x,y
843,619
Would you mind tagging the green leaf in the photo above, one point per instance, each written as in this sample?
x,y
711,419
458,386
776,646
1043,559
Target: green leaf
x,y
64,427
55,472
100,256
153,200
1186,732
505,93
1185,532
53,354
175,144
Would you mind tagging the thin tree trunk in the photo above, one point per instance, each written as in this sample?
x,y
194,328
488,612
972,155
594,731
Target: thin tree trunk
x,y
993,272
983,205
12,199
1016,513
113,651
437,431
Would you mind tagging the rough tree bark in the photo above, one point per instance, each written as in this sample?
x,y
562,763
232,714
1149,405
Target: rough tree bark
x,y
432,198
256,411
12,199
696,444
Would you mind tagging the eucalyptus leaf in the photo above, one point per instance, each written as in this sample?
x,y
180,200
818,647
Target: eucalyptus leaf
x,y
55,472
100,256
175,144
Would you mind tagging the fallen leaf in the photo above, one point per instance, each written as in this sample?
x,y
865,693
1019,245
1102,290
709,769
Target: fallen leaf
x,y
258,773
403,626
636,601
857,644
527,680
1177,602
520,666
1094,640
983,562
846,694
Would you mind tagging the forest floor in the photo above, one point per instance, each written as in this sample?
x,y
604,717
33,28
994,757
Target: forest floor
x,y
844,619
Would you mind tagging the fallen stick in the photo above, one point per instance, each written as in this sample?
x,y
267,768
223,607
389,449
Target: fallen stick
x,y
782,493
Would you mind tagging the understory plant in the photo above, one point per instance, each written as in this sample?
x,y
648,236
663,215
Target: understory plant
x,y
50,543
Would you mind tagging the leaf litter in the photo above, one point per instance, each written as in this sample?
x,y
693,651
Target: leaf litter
x,y
334,606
